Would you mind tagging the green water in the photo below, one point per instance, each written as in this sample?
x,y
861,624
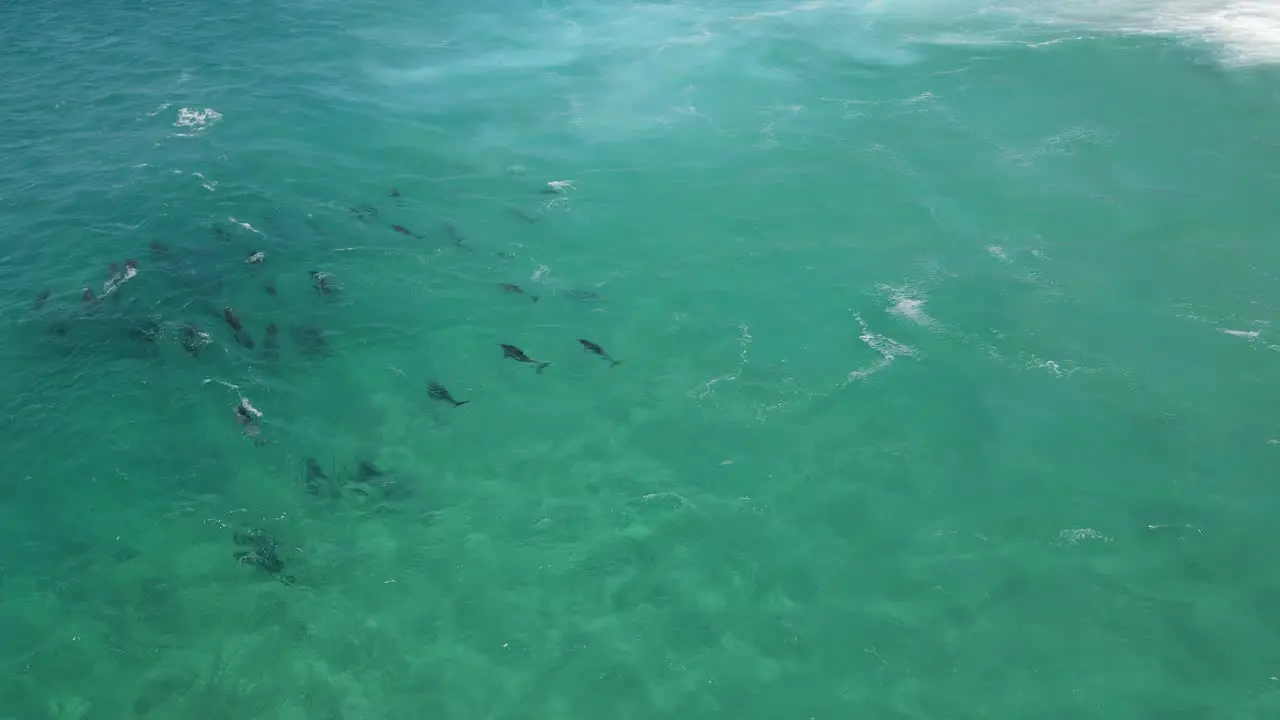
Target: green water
x,y
947,381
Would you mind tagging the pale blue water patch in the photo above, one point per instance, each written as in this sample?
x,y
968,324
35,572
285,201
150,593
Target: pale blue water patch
x,y
947,341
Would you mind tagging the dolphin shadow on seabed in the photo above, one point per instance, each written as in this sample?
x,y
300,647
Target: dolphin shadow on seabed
x,y
311,341
316,481
364,480
366,483
263,553
105,333
373,484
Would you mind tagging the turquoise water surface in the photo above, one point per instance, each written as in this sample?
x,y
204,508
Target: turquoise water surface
x,y
947,338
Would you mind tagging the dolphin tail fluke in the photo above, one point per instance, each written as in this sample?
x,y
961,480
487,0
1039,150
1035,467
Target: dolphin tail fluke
x,y
460,403
543,366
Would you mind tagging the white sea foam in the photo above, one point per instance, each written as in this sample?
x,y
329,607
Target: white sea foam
x,y
1250,334
745,339
1075,536
887,347
651,60
1246,31
1050,366
908,303
196,120
912,309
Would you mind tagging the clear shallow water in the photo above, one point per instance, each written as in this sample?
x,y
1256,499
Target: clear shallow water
x,y
947,340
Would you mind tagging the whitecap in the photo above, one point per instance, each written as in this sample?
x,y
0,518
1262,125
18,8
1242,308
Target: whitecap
x,y
1074,536
1246,32
197,120
1250,334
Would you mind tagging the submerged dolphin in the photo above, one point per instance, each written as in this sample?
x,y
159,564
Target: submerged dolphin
x,y
515,353
594,348
436,391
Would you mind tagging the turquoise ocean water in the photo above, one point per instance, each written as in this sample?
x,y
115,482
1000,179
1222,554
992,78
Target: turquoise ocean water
x,y
948,340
